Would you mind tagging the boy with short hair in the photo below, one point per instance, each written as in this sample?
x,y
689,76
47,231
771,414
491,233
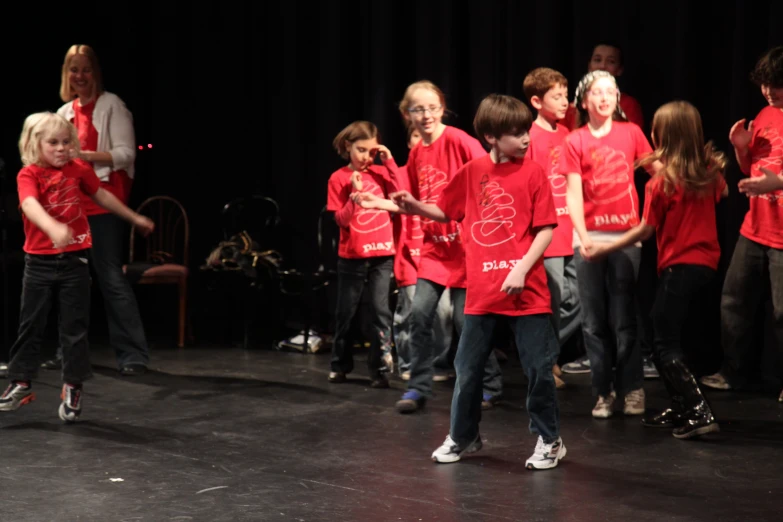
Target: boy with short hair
x,y
547,91
505,206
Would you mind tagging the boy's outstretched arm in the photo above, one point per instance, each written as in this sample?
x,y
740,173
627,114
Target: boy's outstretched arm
x,y
110,202
410,205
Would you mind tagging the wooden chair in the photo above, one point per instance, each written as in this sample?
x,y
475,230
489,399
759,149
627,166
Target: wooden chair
x,y
162,257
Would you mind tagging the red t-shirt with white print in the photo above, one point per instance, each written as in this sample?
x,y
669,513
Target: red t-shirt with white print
x,y
369,232
59,192
764,220
407,237
430,168
546,148
500,207
119,183
606,166
684,224
629,105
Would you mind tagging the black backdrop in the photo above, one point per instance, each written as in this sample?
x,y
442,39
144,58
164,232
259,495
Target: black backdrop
x,y
246,97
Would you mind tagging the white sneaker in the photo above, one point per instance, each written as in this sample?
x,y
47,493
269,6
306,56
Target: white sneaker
x,y
634,402
546,456
450,451
604,408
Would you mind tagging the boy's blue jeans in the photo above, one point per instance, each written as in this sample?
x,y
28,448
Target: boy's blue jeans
x,y
537,344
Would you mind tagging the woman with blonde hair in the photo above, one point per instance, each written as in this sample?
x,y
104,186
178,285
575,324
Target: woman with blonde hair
x,y
105,131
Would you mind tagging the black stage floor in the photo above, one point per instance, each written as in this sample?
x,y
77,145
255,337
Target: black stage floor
x,y
225,434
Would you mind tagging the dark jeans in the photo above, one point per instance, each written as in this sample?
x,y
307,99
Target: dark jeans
x,y
677,286
352,277
753,267
126,331
425,303
537,344
607,291
66,279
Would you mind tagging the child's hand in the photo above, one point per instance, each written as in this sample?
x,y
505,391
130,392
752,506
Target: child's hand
x,y
356,181
596,252
515,281
585,250
61,235
365,199
384,152
144,224
738,136
758,185
403,199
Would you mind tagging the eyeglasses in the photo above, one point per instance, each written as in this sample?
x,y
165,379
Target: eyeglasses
x,y
422,110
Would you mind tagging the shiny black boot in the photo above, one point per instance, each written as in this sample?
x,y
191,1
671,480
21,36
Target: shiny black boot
x,y
670,417
697,418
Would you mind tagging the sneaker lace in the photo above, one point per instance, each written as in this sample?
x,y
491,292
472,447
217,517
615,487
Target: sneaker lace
x,y
634,396
541,447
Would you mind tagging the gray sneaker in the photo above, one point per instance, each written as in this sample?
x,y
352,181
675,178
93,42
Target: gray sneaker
x,y
581,365
650,371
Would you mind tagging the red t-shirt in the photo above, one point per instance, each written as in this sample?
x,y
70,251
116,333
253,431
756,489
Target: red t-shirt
x,y
606,166
59,192
119,182
764,220
684,224
546,147
430,169
369,232
500,206
629,105
407,239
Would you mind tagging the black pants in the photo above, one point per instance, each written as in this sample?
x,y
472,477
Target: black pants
x,y
352,277
66,279
126,331
678,285
754,268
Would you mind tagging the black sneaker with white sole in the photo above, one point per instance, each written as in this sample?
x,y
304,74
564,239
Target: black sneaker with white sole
x,y
71,407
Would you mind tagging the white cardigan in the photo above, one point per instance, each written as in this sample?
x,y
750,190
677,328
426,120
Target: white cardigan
x,y
114,123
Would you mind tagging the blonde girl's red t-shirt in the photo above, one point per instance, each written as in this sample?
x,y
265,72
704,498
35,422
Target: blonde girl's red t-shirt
x,y
119,182
501,208
605,164
764,221
430,169
546,149
59,191
684,223
365,233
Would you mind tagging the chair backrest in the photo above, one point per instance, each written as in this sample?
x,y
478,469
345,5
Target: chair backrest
x,y
258,215
328,239
170,240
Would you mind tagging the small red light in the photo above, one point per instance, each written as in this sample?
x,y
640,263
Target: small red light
x,y
149,145
141,147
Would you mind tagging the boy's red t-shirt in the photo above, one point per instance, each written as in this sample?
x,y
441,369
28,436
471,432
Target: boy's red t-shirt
x,y
430,169
369,233
764,221
684,223
501,207
606,166
59,191
546,149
